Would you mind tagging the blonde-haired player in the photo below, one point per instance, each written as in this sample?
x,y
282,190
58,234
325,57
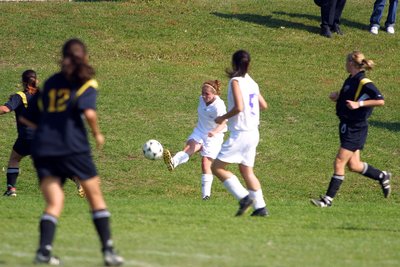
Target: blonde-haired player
x,y
207,137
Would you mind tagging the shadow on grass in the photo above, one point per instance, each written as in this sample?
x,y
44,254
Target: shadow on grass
x,y
273,22
344,21
367,229
268,21
96,0
391,126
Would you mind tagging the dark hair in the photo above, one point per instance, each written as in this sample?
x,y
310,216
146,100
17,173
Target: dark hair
x,y
240,64
75,63
29,81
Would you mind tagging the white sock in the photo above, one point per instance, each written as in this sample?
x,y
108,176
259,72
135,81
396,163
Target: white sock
x,y
180,158
206,182
258,199
234,187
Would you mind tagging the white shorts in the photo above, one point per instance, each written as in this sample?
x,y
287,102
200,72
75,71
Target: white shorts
x,y
210,145
240,148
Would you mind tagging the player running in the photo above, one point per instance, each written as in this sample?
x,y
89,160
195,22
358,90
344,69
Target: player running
x,y
354,104
244,104
61,148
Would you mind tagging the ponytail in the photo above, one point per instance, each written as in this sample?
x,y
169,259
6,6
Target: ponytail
x,y
75,64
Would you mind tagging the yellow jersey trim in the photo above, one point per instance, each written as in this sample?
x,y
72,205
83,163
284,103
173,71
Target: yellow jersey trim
x,y
360,86
24,99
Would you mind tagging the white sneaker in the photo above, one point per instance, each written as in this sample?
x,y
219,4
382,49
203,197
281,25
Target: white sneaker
x,y
390,30
374,30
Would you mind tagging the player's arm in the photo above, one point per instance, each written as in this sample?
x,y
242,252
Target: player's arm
x,y
91,118
263,104
27,122
238,103
334,96
375,98
217,129
4,110
366,103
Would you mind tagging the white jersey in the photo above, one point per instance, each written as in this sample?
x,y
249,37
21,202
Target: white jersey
x,y
249,118
207,114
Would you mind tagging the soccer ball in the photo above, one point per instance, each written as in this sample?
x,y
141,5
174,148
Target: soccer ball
x,y
153,150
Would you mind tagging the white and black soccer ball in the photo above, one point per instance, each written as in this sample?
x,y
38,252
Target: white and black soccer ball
x,y
153,149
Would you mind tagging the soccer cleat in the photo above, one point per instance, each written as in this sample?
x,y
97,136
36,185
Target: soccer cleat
x,y
244,205
385,184
206,198
48,260
261,212
11,192
81,192
374,30
168,160
112,259
323,202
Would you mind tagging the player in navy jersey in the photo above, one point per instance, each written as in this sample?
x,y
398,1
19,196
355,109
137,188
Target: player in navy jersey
x,y
61,147
18,102
354,104
207,137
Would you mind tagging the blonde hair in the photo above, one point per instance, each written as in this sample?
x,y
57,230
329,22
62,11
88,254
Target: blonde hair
x,y
360,61
215,85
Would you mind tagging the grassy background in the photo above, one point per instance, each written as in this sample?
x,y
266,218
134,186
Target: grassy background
x,y
151,58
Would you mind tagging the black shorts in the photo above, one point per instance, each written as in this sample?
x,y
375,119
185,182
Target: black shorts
x,y
80,165
353,135
22,146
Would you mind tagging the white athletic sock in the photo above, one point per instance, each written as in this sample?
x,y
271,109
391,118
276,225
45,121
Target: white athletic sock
x,y
234,187
206,182
180,158
258,199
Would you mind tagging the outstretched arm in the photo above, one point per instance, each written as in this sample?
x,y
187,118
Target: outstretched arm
x,y
4,110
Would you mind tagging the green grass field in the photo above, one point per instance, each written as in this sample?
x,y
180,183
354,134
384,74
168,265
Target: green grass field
x,y
151,58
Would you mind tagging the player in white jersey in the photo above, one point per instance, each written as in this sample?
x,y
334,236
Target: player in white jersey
x,y
207,137
244,104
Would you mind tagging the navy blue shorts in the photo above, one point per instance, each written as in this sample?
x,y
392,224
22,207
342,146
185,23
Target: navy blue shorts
x,y
22,146
353,135
80,165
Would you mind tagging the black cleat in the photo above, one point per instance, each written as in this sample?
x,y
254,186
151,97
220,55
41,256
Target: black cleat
x,y
47,260
112,259
261,212
244,205
10,192
385,184
323,202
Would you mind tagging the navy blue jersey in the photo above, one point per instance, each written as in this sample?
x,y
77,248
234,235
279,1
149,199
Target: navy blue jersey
x,y
57,110
16,104
348,92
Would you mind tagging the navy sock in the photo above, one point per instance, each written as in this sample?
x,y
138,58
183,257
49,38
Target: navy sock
x,y
372,172
47,229
334,185
101,220
12,175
